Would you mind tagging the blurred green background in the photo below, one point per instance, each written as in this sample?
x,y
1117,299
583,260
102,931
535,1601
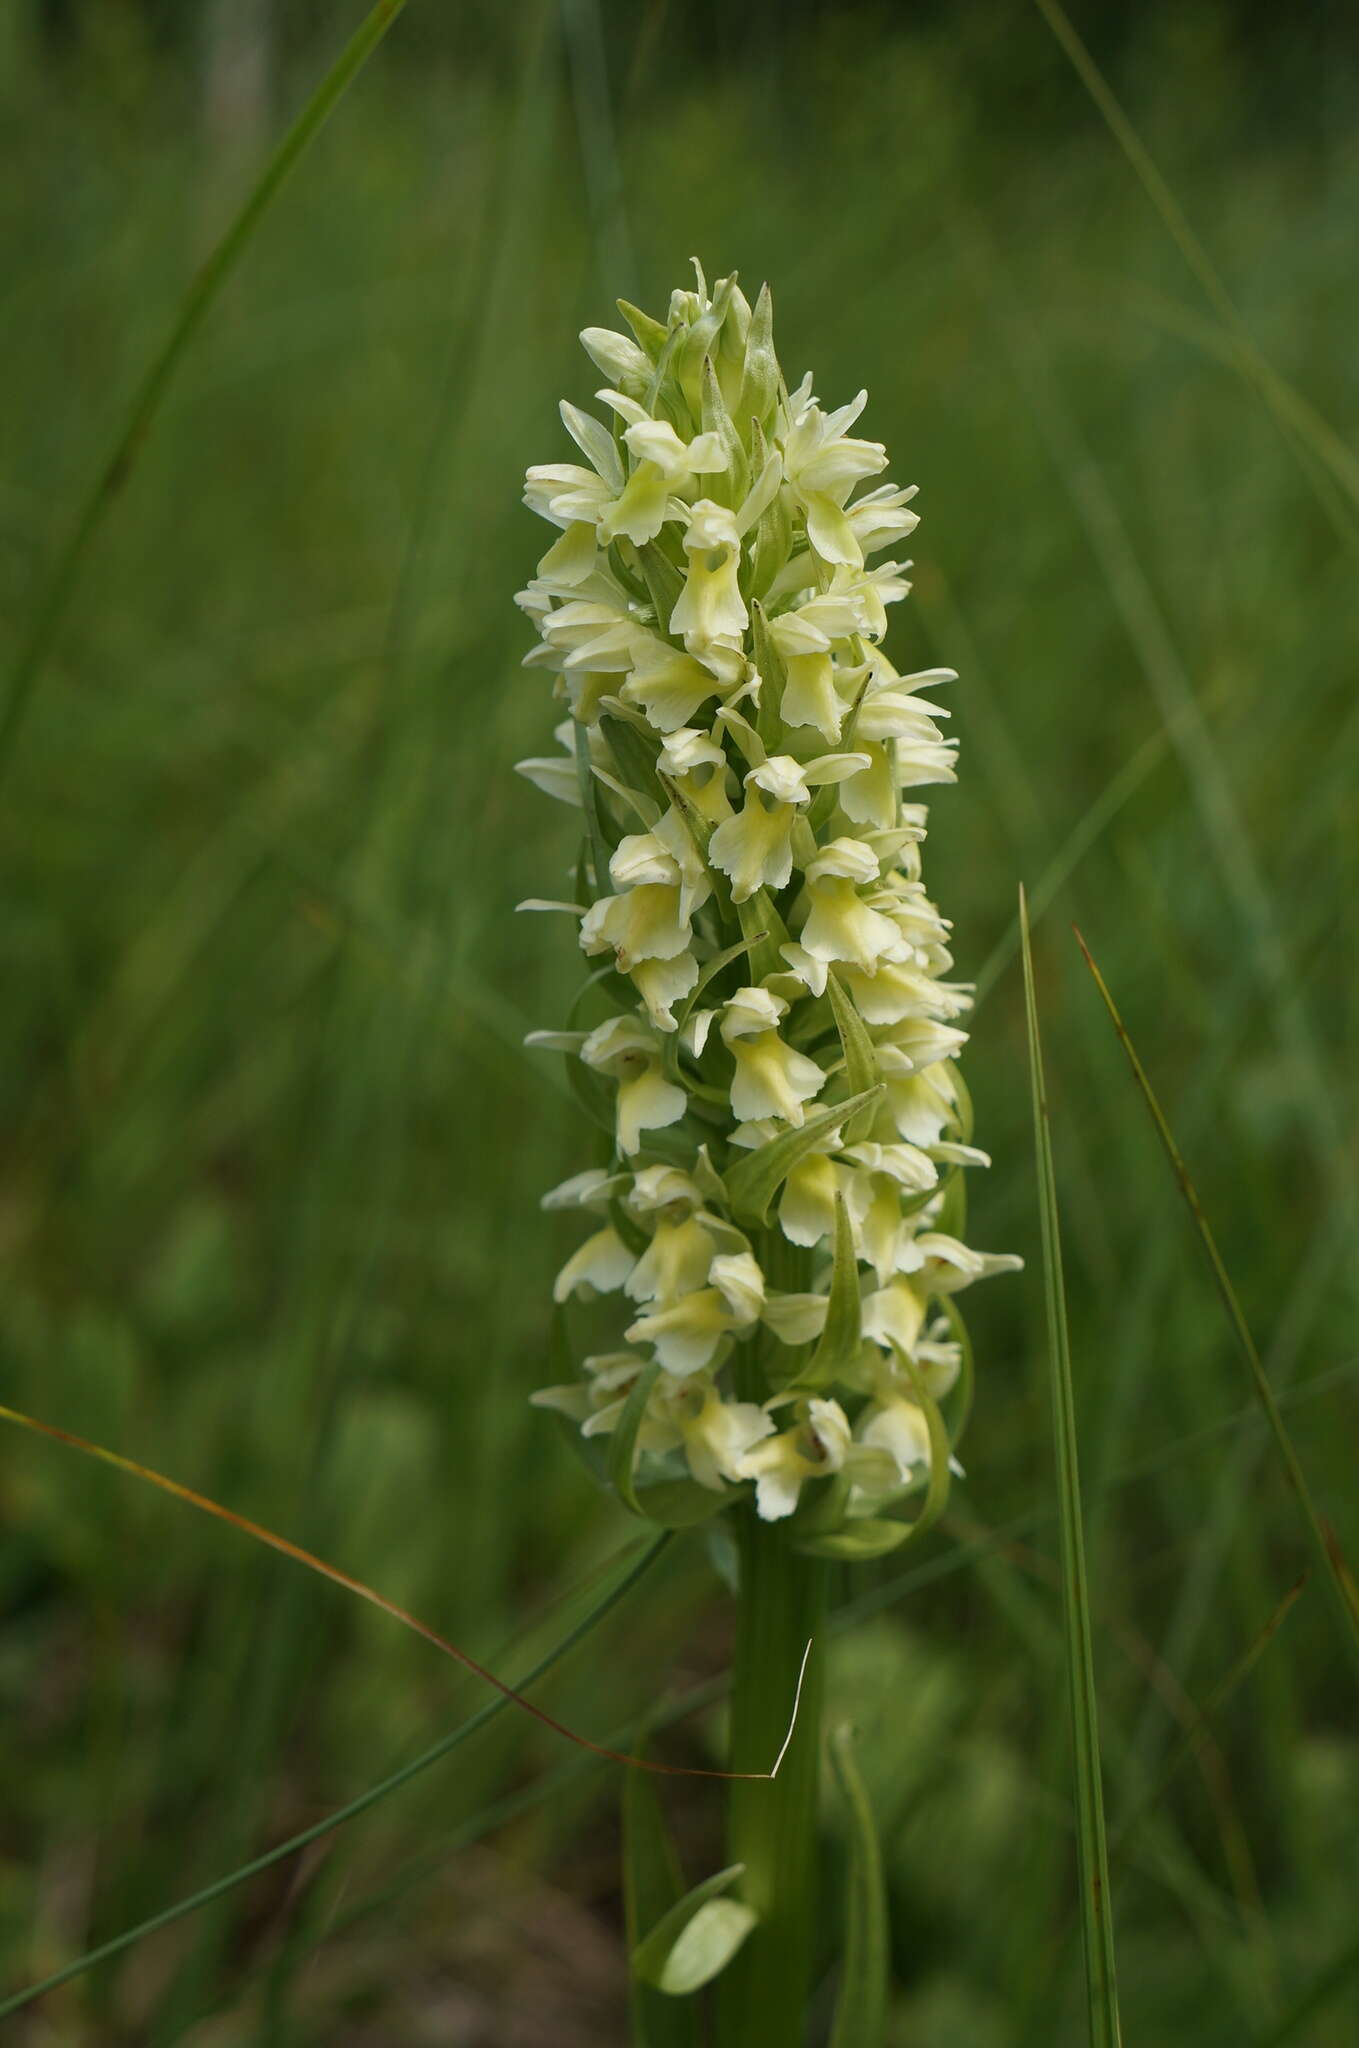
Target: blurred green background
x,y
272,1152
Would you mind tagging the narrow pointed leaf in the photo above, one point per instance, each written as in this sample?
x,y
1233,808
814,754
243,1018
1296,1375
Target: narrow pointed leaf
x,y
861,1061
652,1884
773,679
840,1336
861,2009
753,1182
859,1542
623,1438
663,581
760,375
596,846
636,759
764,931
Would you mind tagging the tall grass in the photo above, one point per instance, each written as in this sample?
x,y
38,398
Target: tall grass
x,y
272,1152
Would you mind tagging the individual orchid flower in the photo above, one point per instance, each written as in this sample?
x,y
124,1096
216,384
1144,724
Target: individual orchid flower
x,y
822,464
686,1333
813,1448
839,925
817,689
754,847
710,613
628,1051
663,464
695,767
771,1078
716,1435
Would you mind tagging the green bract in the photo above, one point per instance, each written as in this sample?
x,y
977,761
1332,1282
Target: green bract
x,y
770,1035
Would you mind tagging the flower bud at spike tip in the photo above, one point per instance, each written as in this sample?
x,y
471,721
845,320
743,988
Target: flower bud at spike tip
x,y
712,610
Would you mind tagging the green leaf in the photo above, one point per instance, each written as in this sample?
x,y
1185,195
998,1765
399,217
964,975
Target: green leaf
x,y
764,932
663,581
670,1049
650,334
840,1336
623,1437
861,2009
1096,1921
596,845
631,1232
963,1095
773,678
861,1059
859,1542
753,1182
730,483
706,1946
636,760
680,1503
960,1398
696,1938
652,1884
952,1217
760,372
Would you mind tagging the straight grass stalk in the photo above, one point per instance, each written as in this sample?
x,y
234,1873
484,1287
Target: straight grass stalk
x,y
1096,1905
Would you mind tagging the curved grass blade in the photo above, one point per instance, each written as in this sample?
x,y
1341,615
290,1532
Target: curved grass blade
x,y
1096,1904
1199,1730
198,300
861,2009
285,1548
1328,1563
1318,1995
1322,456
710,1691
183,1907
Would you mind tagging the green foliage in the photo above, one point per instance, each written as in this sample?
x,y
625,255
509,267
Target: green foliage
x,y
652,1885
861,2007
696,1939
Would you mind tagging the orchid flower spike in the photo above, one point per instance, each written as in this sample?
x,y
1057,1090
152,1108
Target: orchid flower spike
x,y
768,1036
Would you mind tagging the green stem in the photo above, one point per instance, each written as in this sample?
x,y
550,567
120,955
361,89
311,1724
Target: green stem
x,y
772,1827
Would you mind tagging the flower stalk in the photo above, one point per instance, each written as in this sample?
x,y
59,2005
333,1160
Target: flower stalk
x,y
762,1303
772,1827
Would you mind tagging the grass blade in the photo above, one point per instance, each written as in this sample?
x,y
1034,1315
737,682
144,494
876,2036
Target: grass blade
x,y
1322,457
1096,1904
1318,1995
146,403
392,1783
1329,1564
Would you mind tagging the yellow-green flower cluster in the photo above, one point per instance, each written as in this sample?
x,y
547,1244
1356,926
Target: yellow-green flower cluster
x,y
769,1033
